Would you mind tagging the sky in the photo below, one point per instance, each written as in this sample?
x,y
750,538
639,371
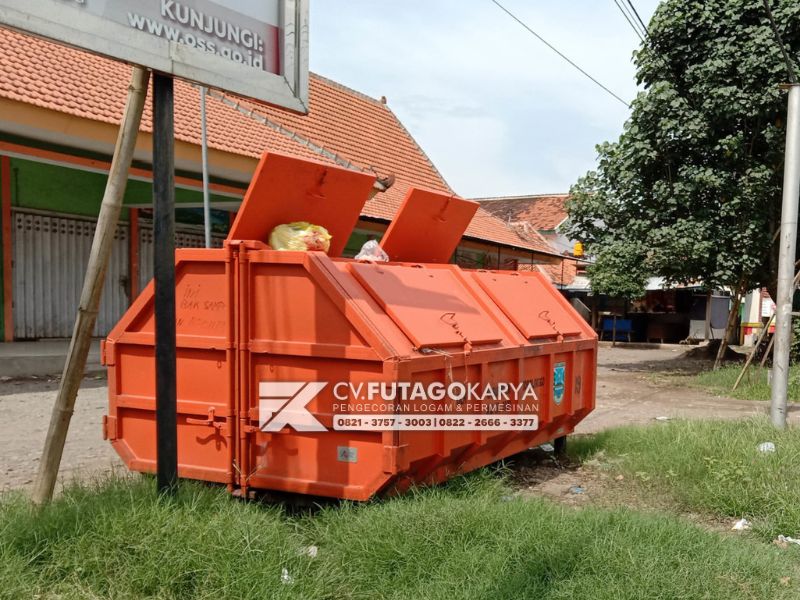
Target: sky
x,y
496,111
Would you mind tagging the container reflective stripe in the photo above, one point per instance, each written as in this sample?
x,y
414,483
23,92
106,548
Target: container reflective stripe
x,y
50,254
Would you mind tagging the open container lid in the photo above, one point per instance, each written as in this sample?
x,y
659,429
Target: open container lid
x,y
428,227
286,189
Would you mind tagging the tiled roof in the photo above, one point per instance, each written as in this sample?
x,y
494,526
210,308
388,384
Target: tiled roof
x,y
485,225
343,122
562,274
544,212
84,85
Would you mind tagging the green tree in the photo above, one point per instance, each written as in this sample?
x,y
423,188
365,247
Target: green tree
x,y
691,189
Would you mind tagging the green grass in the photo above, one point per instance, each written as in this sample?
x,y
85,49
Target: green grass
x,y
754,385
469,539
712,467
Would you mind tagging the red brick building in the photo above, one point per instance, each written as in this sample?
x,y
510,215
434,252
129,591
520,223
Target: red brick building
x,y
541,215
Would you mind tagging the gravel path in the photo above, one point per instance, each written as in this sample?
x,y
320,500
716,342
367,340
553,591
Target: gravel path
x,y
26,405
634,386
637,386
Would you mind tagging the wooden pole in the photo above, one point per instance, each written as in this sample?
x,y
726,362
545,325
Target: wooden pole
x,y
769,346
614,332
92,288
733,316
772,320
763,333
752,354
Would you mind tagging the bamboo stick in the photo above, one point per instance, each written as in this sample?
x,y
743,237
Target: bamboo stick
x,y
764,331
752,354
92,288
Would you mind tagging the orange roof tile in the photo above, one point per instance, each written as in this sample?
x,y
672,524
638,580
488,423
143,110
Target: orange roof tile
x,y
561,274
545,212
341,122
485,225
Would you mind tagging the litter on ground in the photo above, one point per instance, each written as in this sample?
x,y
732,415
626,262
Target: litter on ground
x,y
741,525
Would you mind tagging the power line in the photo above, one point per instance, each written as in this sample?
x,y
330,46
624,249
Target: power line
x,y
779,41
628,18
634,17
638,18
554,49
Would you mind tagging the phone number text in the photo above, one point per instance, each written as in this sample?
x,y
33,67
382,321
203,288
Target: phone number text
x,y
379,422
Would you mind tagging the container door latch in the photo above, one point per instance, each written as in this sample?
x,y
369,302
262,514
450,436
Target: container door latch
x,y
209,421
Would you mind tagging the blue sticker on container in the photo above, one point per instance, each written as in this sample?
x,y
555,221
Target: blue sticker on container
x,y
559,376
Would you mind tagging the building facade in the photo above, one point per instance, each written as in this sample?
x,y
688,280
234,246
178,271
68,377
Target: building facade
x,y
59,114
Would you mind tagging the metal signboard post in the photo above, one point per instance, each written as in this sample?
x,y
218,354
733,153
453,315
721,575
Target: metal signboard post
x,y
164,277
254,48
204,158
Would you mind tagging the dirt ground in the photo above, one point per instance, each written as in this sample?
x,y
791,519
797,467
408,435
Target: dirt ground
x,y
640,385
634,386
25,405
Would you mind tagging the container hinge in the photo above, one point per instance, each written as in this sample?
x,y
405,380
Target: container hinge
x,y
110,431
394,459
106,353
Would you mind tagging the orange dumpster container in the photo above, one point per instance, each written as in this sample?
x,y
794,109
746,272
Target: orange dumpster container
x,y
294,368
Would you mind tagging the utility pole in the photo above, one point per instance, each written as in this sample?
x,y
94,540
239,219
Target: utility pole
x,y
788,247
204,155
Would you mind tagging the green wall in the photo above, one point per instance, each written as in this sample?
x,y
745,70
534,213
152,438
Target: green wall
x,y
72,191
48,187
62,189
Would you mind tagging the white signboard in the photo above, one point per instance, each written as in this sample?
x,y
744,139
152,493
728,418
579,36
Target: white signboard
x,y
254,48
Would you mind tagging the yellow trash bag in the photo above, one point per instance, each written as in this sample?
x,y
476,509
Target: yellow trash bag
x,y
300,235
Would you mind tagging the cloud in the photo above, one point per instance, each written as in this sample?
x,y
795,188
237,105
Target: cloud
x,y
496,111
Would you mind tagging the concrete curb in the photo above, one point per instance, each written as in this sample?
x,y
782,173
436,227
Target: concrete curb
x,y
41,358
642,345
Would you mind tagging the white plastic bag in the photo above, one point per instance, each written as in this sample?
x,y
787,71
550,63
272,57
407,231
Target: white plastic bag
x,y
372,252
766,447
741,525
